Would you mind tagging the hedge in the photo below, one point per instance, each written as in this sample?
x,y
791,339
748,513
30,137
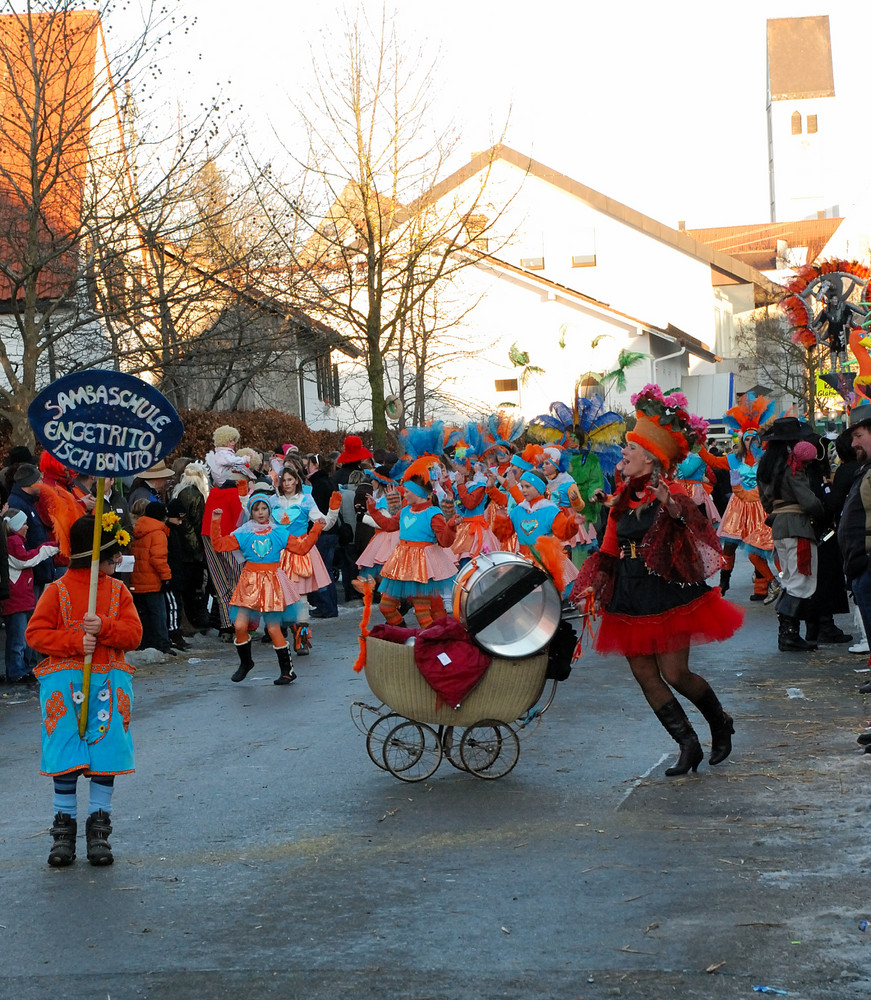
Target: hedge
x,y
264,430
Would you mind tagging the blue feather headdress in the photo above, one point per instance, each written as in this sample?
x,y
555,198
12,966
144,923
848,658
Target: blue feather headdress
x,y
596,428
504,430
421,449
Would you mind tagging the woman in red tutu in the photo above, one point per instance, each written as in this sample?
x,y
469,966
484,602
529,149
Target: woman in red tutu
x,y
649,578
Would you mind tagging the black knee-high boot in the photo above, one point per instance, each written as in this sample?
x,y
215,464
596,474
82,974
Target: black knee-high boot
x,y
246,661
721,725
285,666
677,725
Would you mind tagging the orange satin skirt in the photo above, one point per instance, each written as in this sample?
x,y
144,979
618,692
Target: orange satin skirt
x,y
264,587
306,572
420,562
473,536
744,522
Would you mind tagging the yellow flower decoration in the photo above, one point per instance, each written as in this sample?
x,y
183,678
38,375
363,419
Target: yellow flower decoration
x,y
123,538
110,519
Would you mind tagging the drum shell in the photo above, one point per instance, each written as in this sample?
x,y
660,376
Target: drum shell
x,y
526,626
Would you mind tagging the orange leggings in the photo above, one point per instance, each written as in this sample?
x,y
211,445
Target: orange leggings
x,y
427,609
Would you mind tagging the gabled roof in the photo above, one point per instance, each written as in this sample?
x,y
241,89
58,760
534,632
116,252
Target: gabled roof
x,y
756,244
256,298
671,332
725,268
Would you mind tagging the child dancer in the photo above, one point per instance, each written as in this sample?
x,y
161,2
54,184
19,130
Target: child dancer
x,y
263,588
64,632
474,534
380,548
541,529
421,568
306,570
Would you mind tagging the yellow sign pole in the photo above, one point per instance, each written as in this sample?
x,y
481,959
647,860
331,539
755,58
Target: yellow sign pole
x,y
92,600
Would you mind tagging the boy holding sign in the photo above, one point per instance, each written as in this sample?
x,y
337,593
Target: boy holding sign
x,y
62,629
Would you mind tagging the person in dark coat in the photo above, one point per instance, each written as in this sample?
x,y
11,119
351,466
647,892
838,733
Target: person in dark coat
x,y
324,602
831,594
792,510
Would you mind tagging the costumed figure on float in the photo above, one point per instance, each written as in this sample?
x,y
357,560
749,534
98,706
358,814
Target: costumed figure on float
x,y
648,578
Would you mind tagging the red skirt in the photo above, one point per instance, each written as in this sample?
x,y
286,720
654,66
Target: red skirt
x,y
708,618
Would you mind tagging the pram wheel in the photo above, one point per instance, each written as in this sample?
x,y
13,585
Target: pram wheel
x,y
375,737
412,751
489,749
451,746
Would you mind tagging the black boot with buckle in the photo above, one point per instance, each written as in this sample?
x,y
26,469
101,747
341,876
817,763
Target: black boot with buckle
x,y
677,725
97,831
63,848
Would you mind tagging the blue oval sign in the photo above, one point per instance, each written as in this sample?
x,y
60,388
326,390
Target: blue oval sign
x,y
105,423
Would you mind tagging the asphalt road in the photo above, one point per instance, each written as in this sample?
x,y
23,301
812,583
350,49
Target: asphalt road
x,y
260,853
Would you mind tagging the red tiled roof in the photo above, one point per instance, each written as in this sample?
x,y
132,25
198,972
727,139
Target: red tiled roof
x,y
756,244
65,47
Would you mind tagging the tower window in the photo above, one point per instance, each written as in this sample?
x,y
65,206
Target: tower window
x,y
796,123
811,124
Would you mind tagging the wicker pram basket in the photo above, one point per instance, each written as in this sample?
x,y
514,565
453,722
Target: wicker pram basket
x,y
507,690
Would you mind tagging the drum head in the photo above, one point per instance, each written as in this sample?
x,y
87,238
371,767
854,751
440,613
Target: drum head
x,y
524,625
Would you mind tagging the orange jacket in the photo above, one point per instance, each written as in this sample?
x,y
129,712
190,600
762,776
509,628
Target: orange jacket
x,y
149,550
46,632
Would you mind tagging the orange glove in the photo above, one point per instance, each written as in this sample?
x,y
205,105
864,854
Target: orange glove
x,y
335,500
575,498
242,487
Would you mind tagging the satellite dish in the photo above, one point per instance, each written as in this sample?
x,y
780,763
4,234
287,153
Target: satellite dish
x,y
393,407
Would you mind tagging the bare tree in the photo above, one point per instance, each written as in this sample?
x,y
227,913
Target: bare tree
x,y
769,356
384,236
82,180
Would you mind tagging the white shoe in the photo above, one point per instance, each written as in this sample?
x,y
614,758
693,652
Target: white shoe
x,y
860,647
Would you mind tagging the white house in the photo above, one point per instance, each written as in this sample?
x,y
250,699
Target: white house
x,y
572,278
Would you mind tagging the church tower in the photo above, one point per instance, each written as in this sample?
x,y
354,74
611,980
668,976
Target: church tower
x,y
801,122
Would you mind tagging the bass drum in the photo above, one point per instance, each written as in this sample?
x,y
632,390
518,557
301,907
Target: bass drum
x,y
509,606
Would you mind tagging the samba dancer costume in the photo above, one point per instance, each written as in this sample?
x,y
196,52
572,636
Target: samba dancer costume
x,y
422,567
306,570
542,528
649,578
264,588
474,533
690,478
590,435
743,524
382,544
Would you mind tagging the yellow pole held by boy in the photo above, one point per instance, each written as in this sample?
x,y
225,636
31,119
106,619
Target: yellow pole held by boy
x,y
92,600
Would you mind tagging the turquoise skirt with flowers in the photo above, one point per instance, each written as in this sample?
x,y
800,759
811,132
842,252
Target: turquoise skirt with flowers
x,y
107,746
